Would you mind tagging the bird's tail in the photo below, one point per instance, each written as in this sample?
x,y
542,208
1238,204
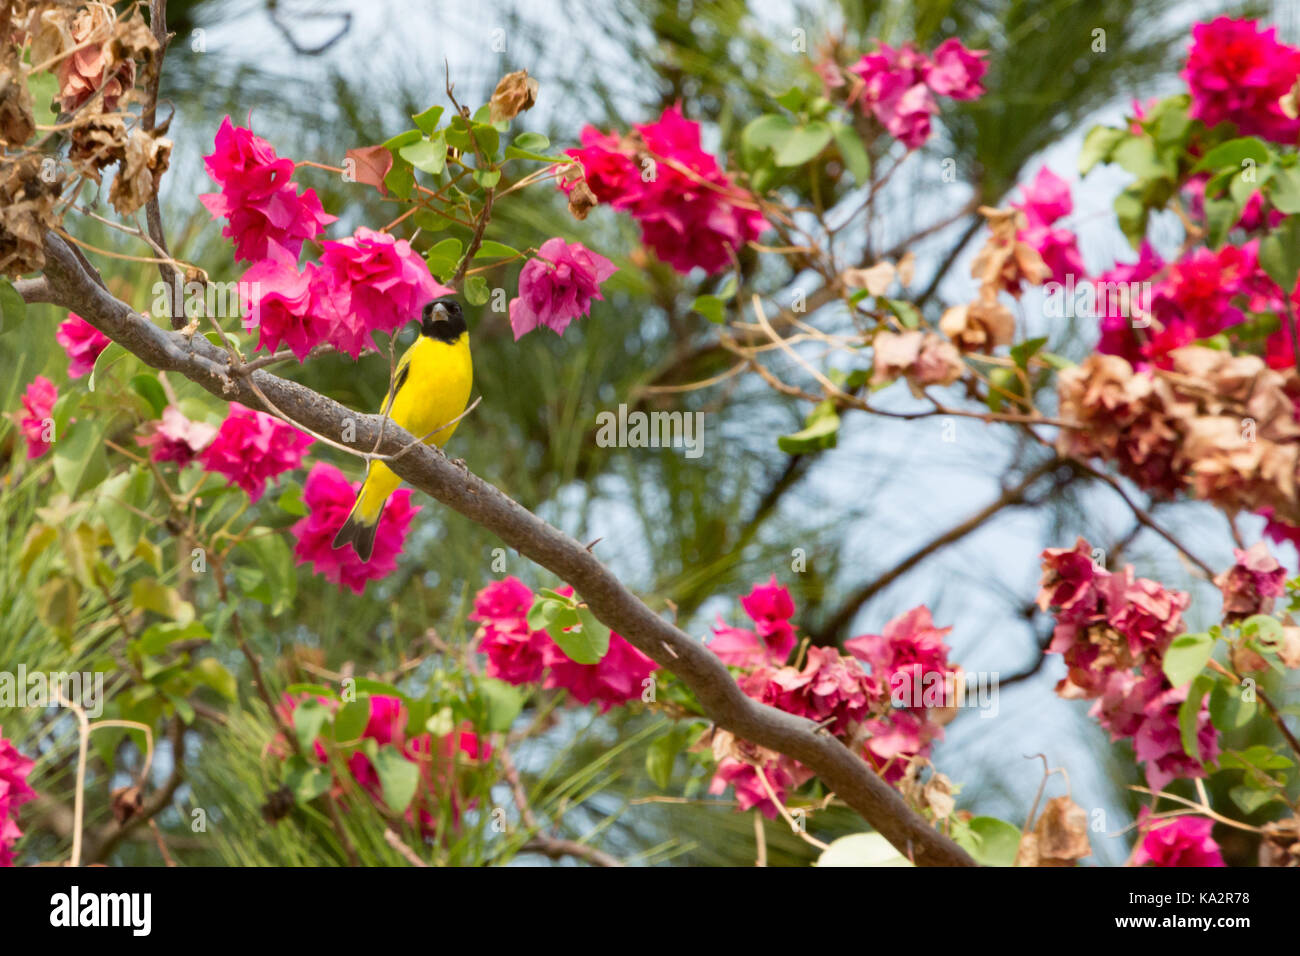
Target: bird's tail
x,y
363,521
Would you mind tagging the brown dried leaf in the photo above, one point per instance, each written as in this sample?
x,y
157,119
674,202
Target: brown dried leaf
x,y
140,170
369,165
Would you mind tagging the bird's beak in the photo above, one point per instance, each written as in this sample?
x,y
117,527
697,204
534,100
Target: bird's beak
x,y
439,311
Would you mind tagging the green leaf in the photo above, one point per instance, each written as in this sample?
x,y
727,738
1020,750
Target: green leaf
x,y
1022,352
534,142
398,778
309,717
147,386
443,258
121,499
290,500
1186,657
428,120
212,673
819,432
112,352
1220,216
275,560
863,849
477,291
1279,253
1265,630
1189,713
585,644
660,757
487,178
350,722
992,842
803,144
711,307
305,781
1057,362
12,307
1138,155
157,637
906,312
514,152
543,612
1098,146
1249,799
1232,153
1258,756
504,703
792,99
427,155
1132,213
489,249
79,459
1229,710
768,131
854,154
1284,189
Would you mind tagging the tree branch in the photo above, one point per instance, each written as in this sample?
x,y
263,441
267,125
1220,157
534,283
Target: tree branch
x,y
843,616
431,471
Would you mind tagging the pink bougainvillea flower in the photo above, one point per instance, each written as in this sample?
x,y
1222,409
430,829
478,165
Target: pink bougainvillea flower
x,y
899,85
830,689
1149,617
782,775
1251,584
770,607
329,497
515,652
1158,742
895,741
38,401
379,284
1047,199
910,648
1120,302
252,447
557,287
14,792
1279,531
262,207
83,343
616,679
284,304
1060,251
1238,73
895,92
691,213
609,168
1181,841
956,71
176,438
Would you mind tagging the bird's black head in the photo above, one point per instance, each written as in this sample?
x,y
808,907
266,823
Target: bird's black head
x,y
443,320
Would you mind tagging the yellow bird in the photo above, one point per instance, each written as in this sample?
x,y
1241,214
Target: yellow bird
x,y
430,389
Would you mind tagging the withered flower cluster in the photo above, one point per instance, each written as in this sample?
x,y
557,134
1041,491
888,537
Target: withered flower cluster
x,y
1218,426
104,64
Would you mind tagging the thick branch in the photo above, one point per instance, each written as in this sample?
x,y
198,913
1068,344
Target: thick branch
x,y
432,472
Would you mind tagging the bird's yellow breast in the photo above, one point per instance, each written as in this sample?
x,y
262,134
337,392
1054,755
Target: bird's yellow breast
x,y
437,386
434,382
